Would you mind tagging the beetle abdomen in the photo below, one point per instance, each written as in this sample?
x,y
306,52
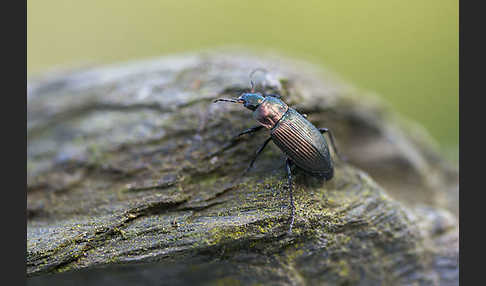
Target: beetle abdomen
x,y
303,143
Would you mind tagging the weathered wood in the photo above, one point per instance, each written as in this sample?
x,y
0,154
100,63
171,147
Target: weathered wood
x,y
119,173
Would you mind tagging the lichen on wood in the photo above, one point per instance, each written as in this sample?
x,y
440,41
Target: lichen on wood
x,y
123,172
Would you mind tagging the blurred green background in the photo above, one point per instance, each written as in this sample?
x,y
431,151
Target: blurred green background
x,y
406,51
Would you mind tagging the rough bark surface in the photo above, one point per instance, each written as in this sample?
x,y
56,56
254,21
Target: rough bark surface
x,y
124,183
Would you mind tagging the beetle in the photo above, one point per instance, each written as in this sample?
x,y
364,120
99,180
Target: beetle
x,y
303,144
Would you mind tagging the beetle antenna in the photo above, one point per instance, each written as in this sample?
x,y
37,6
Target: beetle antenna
x,y
258,69
226,100
252,83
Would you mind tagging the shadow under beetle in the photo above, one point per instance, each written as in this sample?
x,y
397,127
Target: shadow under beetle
x,y
303,144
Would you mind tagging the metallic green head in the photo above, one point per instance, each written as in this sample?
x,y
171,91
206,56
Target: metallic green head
x,y
251,100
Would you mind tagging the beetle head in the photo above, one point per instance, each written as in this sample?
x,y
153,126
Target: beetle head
x,y
249,100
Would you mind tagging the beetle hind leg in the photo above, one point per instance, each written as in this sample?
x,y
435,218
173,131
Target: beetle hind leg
x,y
288,163
331,137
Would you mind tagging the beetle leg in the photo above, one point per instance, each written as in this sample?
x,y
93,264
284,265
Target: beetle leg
x,y
256,155
288,162
234,141
249,130
325,130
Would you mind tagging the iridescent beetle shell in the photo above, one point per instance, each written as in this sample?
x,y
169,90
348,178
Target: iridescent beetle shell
x,y
303,143
299,139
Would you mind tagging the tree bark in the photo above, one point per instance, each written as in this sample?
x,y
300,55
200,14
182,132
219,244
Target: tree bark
x,y
124,172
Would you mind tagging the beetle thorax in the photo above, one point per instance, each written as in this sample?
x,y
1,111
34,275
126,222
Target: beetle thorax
x,y
270,111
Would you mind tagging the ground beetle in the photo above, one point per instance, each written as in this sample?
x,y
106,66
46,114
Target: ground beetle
x,y
303,143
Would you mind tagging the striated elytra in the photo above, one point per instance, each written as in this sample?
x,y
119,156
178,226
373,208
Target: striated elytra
x,y
303,144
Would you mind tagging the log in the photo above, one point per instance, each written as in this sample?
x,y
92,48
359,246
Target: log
x,y
126,181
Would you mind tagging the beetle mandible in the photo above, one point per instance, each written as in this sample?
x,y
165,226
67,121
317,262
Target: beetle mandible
x,y
303,144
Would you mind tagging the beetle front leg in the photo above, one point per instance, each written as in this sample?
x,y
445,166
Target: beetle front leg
x,y
288,162
326,130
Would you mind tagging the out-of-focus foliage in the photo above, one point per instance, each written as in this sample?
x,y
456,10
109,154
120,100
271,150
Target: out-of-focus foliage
x,y
406,51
